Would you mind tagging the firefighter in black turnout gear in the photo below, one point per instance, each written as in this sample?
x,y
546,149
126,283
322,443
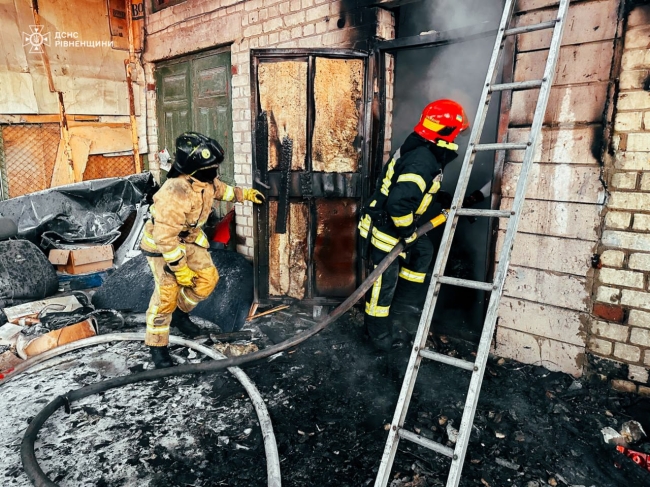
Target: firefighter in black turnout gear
x,y
408,184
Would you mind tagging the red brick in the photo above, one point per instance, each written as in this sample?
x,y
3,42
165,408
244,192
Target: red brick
x,y
609,312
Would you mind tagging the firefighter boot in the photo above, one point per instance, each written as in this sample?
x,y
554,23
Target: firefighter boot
x,y
181,320
401,337
406,317
379,331
161,358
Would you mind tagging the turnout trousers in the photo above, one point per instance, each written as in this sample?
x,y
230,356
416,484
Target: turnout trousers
x,y
168,294
402,281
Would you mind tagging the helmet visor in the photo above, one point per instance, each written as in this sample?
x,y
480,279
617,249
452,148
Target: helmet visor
x,y
446,131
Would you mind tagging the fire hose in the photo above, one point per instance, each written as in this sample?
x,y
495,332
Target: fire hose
x,y
28,456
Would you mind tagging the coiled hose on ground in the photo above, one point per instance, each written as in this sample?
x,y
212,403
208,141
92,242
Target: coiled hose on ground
x,y
270,446
30,464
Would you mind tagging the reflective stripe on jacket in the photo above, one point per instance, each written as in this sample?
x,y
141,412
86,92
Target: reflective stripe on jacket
x,y
181,208
406,188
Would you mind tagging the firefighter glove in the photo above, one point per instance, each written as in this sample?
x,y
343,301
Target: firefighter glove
x,y
472,199
408,241
184,275
253,195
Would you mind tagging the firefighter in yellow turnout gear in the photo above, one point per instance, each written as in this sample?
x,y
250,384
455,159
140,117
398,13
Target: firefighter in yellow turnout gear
x,y
175,244
409,183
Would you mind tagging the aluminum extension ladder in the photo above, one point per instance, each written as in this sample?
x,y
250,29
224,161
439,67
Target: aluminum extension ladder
x,y
477,368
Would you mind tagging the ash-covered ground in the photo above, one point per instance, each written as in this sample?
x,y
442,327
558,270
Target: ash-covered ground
x,y
329,401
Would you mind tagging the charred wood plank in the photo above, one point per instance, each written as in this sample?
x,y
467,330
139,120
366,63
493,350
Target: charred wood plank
x,y
283,197
262,148
232,336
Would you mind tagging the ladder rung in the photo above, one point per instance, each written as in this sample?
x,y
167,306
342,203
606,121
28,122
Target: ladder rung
x,y
446,359
531,28
488,213
502,146
426,443
483,286
517,85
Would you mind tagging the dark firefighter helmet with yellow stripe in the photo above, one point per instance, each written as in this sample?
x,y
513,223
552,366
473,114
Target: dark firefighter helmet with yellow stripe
x,y
195,152
441,122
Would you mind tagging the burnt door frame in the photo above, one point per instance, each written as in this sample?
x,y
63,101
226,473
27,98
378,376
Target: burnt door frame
x,y
261,230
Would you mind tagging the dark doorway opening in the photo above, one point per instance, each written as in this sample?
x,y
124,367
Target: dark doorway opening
x,y
442,50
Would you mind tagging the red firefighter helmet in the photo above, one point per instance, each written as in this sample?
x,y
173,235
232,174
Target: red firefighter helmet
x,y
441,122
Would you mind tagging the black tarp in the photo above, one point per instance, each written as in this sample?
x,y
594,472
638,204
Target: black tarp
x,y
129,288
90,211
25,273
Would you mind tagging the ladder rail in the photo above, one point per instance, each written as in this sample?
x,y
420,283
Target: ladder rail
x,y
406,391
483,352
418,351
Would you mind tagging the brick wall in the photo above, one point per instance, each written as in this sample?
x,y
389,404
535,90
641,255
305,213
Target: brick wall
x,y
252,24
544,316
620,329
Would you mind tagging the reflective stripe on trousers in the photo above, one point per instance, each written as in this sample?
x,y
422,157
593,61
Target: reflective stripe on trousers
x,y
389,286
168,294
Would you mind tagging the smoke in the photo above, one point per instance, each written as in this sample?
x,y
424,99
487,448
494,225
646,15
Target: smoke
x,y
456,71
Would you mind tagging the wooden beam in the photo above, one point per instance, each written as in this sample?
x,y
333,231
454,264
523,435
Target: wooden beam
x,y
433,39
392,3
14,119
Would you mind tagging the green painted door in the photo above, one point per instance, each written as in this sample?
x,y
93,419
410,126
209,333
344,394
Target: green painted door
x,y
174,103
211,98
194,93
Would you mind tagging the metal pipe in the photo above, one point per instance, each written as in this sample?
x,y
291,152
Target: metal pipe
x,y
517,85
446,359
128,65
530,28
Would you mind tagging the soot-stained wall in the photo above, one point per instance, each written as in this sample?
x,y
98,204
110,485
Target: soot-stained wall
x,y
243,25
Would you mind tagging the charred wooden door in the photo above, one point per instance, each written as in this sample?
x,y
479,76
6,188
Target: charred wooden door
x,y
194,93
306,245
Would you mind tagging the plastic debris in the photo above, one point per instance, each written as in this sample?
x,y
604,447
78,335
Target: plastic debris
x,y
611,436
452,433
632,431
506,464
641,459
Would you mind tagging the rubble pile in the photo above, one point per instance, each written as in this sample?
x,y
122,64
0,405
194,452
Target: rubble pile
x,y
532,428
330,401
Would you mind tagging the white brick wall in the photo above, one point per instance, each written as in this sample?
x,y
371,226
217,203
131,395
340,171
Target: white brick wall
x,y
623,282
614,300
609,295
617,219
612,258
639,262
551,272
639,318
248,25
610,330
